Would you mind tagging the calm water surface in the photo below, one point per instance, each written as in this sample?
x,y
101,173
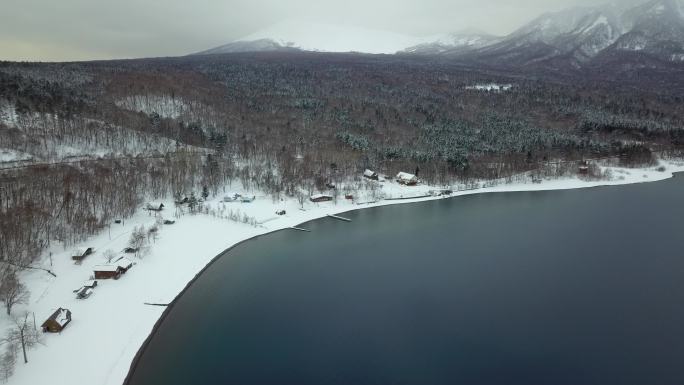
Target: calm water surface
x,y
582,287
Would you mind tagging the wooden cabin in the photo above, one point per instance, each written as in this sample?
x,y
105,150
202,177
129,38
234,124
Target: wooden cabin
x,y
372,175
57,321
583,168
155,207
349,197
407,179
320,198
107,272
81,257
248,199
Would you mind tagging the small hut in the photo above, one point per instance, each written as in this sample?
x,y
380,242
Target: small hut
x,y
407,179
155,206
57,321
372,175
81,257
583,168
320,198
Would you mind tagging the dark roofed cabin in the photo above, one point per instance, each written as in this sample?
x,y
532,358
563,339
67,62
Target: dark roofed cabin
x,y
57,321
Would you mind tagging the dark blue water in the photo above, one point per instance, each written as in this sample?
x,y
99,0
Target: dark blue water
x,y
581,287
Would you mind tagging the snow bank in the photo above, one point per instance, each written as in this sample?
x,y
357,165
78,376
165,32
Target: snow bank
x,y
112,324
7,155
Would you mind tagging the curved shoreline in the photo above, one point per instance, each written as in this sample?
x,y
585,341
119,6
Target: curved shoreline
x,y
169,308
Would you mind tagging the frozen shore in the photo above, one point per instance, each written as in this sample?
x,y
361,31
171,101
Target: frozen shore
x,y
108,328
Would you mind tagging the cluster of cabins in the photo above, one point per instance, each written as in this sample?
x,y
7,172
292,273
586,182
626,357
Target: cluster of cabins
x,y
113,270
236,197
403,178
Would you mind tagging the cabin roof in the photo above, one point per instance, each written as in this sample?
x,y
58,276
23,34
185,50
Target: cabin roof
x,y
317,196
123,262
106,268
405,176
61,316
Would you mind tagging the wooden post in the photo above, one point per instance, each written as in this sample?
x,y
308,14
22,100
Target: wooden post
x,y
23,339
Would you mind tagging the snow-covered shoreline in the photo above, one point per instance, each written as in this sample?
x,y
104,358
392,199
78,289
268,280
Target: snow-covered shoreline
x,y
109,328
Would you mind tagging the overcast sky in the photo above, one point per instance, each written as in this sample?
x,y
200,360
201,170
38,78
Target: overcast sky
x,y
103,29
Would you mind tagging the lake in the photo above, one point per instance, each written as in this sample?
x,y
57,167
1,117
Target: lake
x,y
576,287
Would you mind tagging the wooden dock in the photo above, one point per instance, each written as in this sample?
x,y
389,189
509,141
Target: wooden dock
x,y
300,229
339,218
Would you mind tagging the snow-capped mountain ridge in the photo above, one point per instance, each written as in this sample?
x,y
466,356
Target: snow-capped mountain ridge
x,y
319,37
578,35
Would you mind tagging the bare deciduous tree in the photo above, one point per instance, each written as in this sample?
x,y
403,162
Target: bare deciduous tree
x,y
108,255
12,292
138,241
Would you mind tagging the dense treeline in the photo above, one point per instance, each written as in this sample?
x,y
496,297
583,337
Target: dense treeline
x,y
288,123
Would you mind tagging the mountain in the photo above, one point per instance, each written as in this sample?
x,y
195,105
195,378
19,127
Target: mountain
x,y
306,36
466,40
633,33
655,28
318,37
584,36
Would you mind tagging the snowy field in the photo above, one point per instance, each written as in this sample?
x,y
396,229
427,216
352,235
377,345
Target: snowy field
x,y
109,327
490,87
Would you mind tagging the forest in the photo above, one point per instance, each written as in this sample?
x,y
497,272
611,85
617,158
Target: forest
x,y
90,142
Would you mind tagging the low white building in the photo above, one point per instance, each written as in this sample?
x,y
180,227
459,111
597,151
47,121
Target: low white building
x,y
370,174
407,179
